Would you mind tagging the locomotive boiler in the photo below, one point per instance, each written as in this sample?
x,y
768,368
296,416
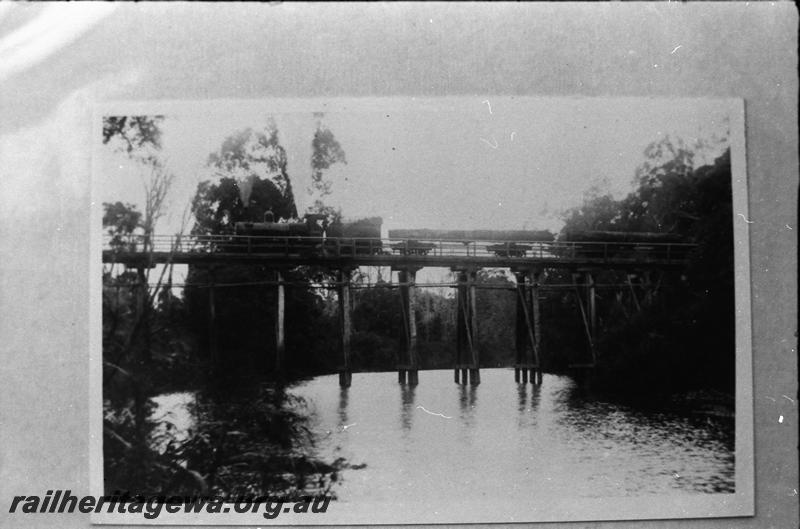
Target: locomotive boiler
x,y
312,235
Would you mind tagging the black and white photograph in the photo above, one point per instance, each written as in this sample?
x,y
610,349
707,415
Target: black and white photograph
x,y
399,263
442,303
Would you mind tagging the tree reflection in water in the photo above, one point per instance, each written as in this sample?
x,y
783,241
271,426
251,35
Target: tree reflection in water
x,y
249,440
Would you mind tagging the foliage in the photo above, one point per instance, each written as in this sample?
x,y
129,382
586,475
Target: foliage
x,y
249,156
218,205
378,324
250,440
253,178
245,316
435,318
139,137
134,134
129,462
121,221
681,336
245,439
496,310
665,198
145,346
563,334
151,339
144,353
325,152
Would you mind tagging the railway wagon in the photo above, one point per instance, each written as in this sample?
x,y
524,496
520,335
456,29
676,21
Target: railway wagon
x,y
424,234
636,246
501,243
361,237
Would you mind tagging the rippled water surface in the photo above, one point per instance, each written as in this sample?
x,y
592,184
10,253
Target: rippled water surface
x,y
501,451
443,440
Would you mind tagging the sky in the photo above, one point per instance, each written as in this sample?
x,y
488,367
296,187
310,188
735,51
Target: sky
x,y
442,163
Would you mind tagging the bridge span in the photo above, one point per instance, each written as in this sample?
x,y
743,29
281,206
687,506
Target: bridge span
x,y
526,259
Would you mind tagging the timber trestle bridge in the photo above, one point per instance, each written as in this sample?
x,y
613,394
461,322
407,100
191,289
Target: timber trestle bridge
x,y
525,258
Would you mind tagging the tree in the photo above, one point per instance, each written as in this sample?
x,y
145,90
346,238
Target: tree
x,y
684,337
148,349
251,166
141,337
377,323
156,188
121,221
249,157
599,212
253,178
138,136
664,195
496,310
218,205
325,152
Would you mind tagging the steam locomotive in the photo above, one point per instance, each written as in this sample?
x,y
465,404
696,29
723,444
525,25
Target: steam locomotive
x,y
309,236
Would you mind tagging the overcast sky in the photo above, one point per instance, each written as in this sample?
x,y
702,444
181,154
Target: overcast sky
x,y
447,163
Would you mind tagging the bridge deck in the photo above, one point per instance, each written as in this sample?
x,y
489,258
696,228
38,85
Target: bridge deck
x,y
398,253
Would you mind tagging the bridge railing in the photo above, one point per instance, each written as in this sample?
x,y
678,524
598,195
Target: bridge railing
x,y
292,246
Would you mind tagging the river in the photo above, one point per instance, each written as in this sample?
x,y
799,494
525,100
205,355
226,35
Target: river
x,y
470,444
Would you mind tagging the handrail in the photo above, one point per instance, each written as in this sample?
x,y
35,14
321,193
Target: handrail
x,y
342,246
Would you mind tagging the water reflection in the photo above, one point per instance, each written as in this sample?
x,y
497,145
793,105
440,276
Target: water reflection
x,y
246,439
522,398
344,397
536,392
467,399
522,440
679,451
528,413
406,406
